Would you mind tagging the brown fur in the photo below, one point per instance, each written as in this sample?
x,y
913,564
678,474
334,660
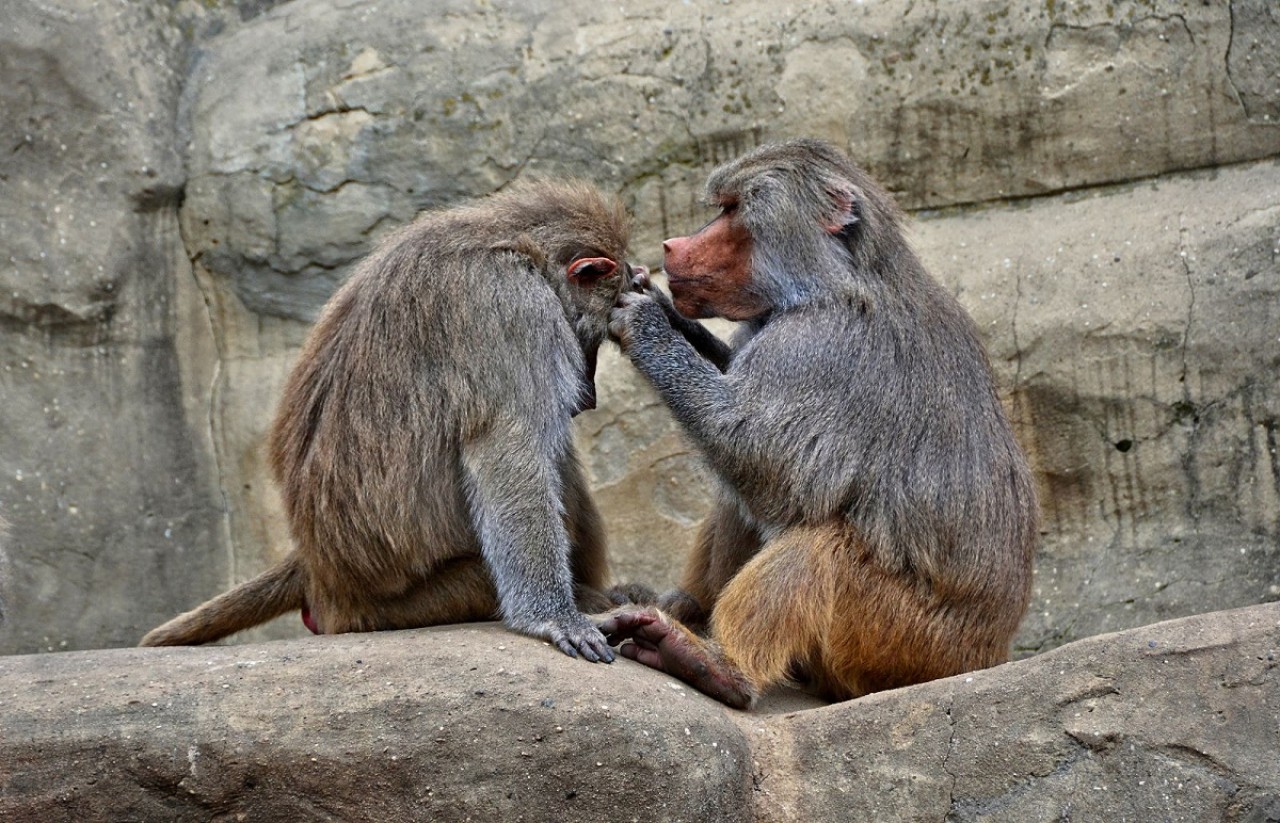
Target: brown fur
x,y
423,446
877,520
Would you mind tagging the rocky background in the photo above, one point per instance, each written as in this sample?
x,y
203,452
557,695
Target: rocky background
x,y
182,184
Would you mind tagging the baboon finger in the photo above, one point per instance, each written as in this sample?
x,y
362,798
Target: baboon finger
x,y
586,642
624,625
647,656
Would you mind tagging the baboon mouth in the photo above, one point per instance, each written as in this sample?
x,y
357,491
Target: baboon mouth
x,y
680,282
686,294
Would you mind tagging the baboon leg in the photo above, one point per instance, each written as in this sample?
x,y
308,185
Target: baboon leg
x,y
682,606
664,643
813,600
733,543
774,614
725,542
897,631
777,611
588,562
695,583
458,591
691,603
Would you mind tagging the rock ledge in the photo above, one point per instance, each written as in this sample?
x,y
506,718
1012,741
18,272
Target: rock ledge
x,y
1175,721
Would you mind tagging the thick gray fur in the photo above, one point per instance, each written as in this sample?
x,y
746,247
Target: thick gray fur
x,y
864,394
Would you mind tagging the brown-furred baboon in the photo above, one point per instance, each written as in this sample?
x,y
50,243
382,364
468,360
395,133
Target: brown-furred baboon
x,y
877,519
423,444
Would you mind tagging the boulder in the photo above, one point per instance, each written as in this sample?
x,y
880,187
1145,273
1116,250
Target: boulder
x,y
1175,721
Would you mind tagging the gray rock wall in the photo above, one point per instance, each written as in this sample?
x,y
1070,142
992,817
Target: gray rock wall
x,y
1137,332
107,467
182,185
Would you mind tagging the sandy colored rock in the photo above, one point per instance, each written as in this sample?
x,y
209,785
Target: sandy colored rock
x,y
446,724
1134,335
948,103
1173,721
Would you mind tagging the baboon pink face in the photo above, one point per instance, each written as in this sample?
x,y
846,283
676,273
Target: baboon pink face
x,y
710,271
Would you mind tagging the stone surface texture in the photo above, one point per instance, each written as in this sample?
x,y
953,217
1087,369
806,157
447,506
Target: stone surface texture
x,y
107,468
1175,721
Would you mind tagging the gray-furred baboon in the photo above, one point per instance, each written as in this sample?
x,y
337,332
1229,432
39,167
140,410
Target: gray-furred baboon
x,y
423,444
877,519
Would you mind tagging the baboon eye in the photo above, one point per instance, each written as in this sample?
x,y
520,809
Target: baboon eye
x,y
587,270
727,209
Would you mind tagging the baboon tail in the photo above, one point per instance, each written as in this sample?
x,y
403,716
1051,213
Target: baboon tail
x,y
278,590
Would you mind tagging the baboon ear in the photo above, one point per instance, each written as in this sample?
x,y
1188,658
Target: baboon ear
x,y
845,217
585,271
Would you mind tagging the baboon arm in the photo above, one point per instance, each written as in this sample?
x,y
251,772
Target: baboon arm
x,y
703,341
700,397
693,386
773,400
513,491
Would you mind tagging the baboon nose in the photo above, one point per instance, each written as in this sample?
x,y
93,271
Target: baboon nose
x,y
673,252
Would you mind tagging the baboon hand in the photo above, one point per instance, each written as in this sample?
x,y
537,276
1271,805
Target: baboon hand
x,y
667,646
577,636
660,297
644,627
640,281
634,316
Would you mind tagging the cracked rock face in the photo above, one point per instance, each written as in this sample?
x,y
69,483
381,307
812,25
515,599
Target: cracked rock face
x,y
180,198
1135,333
